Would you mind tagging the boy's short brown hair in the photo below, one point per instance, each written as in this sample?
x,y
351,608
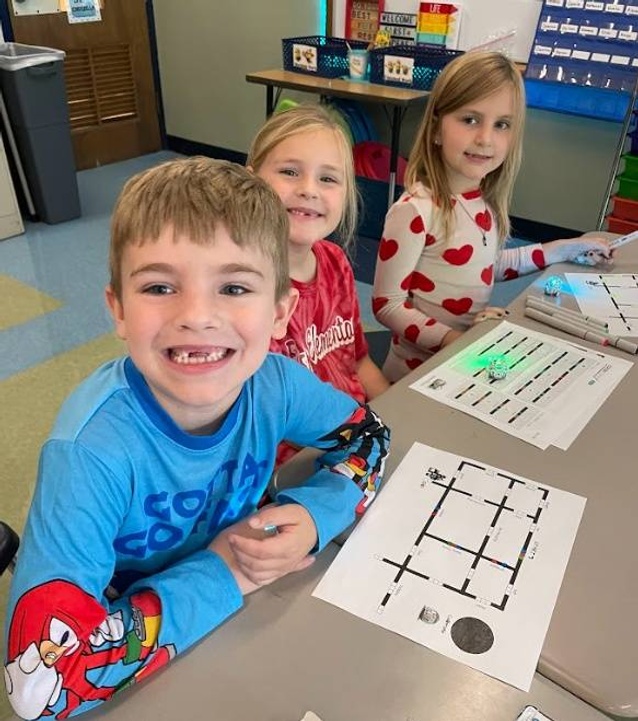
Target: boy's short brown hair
x,y
194,196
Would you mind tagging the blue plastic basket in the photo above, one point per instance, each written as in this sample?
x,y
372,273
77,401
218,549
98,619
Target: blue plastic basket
x,y
319,55
427,63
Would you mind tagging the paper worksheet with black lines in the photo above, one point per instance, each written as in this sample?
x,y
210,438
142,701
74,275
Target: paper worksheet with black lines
x,y
550,391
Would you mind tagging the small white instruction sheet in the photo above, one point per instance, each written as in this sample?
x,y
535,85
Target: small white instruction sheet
x,y
83,11
461,557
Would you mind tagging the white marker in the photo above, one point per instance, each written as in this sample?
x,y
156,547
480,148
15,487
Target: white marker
x,y
582,259
623,240
552,309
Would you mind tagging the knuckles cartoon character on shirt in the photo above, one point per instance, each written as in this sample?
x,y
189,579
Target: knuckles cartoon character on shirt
x,y
48,658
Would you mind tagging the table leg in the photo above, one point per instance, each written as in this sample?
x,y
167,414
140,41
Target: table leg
x,y
397,117
272,98
270,102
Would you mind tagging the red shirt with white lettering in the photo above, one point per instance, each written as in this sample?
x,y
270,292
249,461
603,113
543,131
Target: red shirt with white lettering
x,y
325,333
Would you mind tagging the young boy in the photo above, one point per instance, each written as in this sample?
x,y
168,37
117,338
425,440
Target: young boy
x,y
142,536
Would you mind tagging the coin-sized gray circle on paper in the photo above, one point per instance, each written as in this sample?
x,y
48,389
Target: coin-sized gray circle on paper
x,y
472,635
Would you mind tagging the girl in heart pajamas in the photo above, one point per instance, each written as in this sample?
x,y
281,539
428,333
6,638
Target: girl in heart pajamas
x,y
442,245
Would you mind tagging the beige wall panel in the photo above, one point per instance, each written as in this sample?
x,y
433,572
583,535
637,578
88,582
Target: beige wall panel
x,y
566,165
206,47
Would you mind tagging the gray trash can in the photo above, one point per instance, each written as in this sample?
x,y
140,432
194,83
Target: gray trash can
x,y
32,83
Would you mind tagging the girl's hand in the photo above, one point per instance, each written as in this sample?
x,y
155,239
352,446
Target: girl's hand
x,y
490,313
586,250
263,559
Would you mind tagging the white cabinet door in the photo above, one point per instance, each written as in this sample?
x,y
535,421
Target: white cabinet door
x,y
10,220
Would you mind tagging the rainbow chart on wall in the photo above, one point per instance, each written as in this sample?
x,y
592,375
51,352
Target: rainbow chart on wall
x,y
462,557
611,297
439,24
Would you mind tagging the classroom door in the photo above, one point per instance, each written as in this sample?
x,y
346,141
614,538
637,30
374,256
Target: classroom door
x,y
113,104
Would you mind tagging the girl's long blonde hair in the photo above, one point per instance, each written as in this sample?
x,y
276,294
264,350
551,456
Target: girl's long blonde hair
x,y
309,119
470,77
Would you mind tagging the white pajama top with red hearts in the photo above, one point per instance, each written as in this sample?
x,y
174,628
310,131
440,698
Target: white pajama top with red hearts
x,y
426,284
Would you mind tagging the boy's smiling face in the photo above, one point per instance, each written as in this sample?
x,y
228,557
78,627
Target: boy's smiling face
x,y
197,320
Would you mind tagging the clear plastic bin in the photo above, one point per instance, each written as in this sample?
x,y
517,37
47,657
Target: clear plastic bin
x,y
16,56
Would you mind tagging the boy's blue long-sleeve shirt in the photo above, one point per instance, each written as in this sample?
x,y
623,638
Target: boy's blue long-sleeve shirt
x,y
127,500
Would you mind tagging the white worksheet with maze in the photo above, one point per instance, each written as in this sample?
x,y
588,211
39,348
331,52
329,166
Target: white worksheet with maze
x,y
611,297
460,557
551,390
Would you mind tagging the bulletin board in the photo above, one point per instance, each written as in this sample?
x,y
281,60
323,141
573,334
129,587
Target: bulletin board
x,y
483,21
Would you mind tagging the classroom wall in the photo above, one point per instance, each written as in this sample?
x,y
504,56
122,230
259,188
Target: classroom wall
x,y
205,49
566,166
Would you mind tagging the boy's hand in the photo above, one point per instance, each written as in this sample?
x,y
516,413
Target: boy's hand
x,y
222,548
264,559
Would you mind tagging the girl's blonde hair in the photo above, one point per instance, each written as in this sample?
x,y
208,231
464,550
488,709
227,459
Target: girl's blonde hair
x,y
309,119
472,76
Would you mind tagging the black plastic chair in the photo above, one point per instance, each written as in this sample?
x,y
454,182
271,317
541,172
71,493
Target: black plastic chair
x,y
9,543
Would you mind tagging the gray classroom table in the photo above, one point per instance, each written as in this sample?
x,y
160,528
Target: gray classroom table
x,y
591,647
287,653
